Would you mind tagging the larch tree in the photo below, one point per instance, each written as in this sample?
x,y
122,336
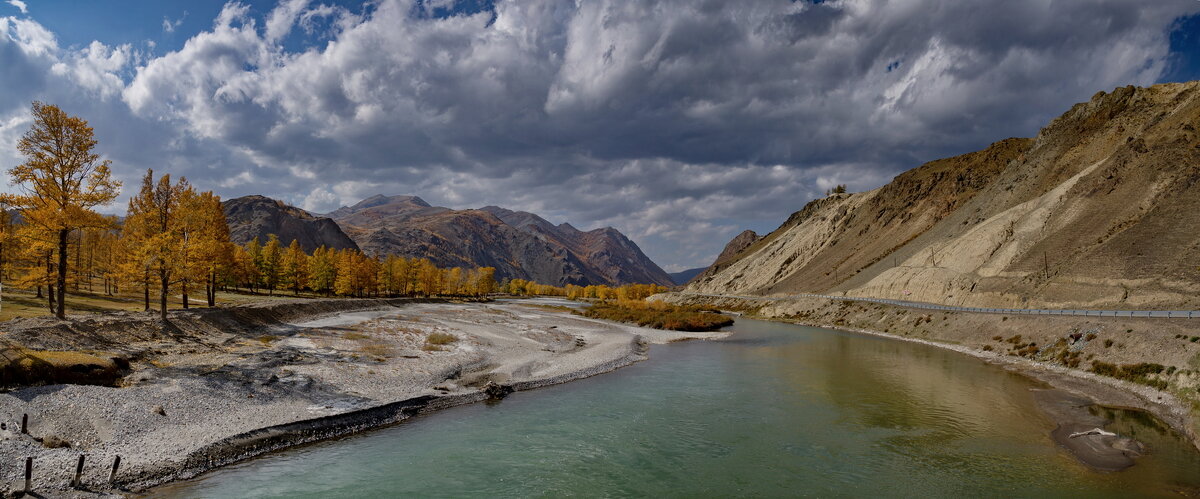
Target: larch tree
x,y
214,252
346,263
135,261
485,281
254,252
37,262
60,182
322,270
292,267
7,237
158,208
272,256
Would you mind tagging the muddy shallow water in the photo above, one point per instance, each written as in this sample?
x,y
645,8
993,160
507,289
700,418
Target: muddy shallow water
x,y
776,409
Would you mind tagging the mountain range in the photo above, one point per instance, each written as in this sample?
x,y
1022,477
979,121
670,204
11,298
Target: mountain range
x,y
1085,214
257,216
518,244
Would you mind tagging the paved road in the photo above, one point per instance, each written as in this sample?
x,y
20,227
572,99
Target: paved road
x,y
1166,314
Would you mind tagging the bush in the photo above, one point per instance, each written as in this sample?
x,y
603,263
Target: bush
x,y
435,341
1137,373
657,315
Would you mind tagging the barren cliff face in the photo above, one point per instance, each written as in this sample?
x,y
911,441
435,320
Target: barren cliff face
x,y
257,216
1095,211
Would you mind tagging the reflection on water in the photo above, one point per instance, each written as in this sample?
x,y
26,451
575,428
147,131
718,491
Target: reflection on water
x,y
775,410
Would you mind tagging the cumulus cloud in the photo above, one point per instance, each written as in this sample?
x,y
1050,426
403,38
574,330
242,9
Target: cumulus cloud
x,y
19,5
680,122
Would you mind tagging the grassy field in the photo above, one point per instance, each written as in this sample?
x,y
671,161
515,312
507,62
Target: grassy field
x,y
16,303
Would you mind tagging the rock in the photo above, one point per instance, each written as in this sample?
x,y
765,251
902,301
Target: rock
x,y
496,391
158,409
1129,446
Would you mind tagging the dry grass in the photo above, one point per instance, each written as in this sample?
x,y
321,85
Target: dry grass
x,y
355,336
435,342
658,315
20,366
377,351
542,306
15,303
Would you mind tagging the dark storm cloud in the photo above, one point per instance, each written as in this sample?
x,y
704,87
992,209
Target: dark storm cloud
x,y
679,122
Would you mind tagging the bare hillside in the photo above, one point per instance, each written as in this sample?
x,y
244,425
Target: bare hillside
x,y
1097,210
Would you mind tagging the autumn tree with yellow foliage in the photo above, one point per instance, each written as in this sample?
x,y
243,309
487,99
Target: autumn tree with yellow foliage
x,y
294,267
158,213
214,252
60,182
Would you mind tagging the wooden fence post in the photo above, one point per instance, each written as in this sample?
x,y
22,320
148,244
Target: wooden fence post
x,y
116,464
78,473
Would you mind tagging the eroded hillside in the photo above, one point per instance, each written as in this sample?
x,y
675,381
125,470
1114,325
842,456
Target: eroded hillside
x,y
1098,210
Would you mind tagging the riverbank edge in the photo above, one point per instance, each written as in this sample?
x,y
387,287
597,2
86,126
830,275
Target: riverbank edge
x,y
1161,404
254,443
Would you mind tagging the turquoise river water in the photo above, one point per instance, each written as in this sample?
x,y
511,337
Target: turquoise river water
x,y
774,410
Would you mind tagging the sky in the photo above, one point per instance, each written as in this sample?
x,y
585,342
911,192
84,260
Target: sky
x,y
678,122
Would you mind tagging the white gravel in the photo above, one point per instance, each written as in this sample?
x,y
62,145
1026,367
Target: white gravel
x,y
351,368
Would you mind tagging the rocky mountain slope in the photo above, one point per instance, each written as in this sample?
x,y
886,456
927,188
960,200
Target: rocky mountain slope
x,y
257,216
732,249
518,244
1096,211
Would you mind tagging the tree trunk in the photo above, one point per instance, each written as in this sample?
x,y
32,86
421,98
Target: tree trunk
x,y
212,289
146,291
78,266
61,312
162,294
208,289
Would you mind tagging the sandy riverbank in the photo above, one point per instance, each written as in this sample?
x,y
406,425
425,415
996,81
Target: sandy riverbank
x,y
224,386
1114,340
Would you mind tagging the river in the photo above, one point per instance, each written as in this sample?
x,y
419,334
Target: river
x,y
774,410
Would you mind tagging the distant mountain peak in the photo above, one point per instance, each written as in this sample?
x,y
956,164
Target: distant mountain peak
x,y
259,216
519,244
380,200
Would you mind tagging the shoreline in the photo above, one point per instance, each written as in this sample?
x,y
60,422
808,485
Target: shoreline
x,y
262,441
232,384
1099,390
975,338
